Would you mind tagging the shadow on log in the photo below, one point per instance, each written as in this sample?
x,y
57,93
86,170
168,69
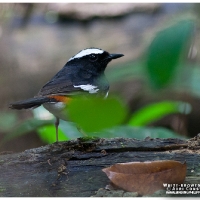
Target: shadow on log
x,y
74,168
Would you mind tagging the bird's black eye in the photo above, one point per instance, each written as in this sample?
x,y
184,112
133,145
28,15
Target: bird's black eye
x,y
93,57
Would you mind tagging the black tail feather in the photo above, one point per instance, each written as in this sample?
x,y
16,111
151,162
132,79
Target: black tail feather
x,y
30,103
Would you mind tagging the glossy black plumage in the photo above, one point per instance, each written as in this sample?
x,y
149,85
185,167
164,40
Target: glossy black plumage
x,y
79,71
84,70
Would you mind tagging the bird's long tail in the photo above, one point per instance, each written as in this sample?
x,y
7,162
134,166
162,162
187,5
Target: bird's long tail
x,y
30,103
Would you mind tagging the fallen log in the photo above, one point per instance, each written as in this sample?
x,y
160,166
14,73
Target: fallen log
x,y
74,168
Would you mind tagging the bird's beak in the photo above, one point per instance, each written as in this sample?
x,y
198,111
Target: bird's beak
x,y
115,56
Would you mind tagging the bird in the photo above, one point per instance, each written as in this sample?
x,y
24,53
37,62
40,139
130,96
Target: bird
x,y
83,74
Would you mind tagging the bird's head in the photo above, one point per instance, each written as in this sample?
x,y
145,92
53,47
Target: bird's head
x,y
93,59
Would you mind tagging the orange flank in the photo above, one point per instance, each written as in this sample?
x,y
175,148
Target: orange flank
x,y
60,98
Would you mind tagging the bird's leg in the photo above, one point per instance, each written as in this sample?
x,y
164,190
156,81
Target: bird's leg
x,y
56,125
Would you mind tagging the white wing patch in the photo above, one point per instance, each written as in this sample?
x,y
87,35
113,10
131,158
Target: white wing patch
x,y
87,52
90,88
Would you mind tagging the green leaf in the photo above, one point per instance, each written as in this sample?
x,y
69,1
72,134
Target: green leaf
x,y
70,129
24,128
139,133
156,111
165,50
48,134
95,113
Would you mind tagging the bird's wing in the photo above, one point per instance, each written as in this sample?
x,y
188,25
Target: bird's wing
x,y
55,87
69,81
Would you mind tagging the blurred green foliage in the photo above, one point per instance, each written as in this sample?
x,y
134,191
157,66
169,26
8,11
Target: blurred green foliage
x,y
104,118
96,113
165,51
24,128
48,134
136,132
7,119
155,111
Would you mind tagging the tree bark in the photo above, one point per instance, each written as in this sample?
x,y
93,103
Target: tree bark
x,y
74,168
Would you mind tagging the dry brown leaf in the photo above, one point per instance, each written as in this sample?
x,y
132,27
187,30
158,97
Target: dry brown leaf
x,y
146,177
